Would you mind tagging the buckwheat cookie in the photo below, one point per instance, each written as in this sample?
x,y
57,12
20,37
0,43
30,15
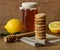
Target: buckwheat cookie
x,y
40,37
40,26
39,23
40,16
40,20
40,29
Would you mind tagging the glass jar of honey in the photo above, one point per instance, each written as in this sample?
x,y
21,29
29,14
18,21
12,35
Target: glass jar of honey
x,y
29,9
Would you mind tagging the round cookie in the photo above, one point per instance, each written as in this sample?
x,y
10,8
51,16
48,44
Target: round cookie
x,y
43,31
41,15
41,34
40,20
40,26
39,29
39,23
40,37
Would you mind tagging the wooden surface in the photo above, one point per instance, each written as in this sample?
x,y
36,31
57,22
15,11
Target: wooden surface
x,y
24,46
10,9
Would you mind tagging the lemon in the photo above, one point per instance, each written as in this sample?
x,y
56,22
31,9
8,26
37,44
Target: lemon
x,y
54,27
13,26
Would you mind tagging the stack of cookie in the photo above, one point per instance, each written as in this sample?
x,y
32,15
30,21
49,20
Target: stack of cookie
x,y
40,26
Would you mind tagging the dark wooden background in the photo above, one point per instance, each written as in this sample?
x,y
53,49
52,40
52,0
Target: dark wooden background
x,y
10,9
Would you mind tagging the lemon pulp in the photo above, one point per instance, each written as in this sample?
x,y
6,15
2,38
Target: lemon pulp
x,y
54,27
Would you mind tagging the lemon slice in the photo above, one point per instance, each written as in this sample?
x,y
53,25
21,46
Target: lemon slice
x,y
54,27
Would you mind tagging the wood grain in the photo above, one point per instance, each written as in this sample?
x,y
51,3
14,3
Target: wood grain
x,y
23,46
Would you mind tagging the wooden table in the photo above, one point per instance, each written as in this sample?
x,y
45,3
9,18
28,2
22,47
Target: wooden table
x,y
22,46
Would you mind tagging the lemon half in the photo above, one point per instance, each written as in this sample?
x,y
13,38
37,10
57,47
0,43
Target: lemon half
x,y
54,27
13,26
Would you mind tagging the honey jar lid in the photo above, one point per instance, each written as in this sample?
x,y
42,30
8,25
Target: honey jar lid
x,y
29,4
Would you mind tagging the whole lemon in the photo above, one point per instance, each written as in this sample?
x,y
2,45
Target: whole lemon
x,y
14,25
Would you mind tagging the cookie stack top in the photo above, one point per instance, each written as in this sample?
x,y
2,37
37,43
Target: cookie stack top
x,y
41,15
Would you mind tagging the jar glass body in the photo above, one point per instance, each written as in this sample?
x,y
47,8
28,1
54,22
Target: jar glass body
x,y
28,16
